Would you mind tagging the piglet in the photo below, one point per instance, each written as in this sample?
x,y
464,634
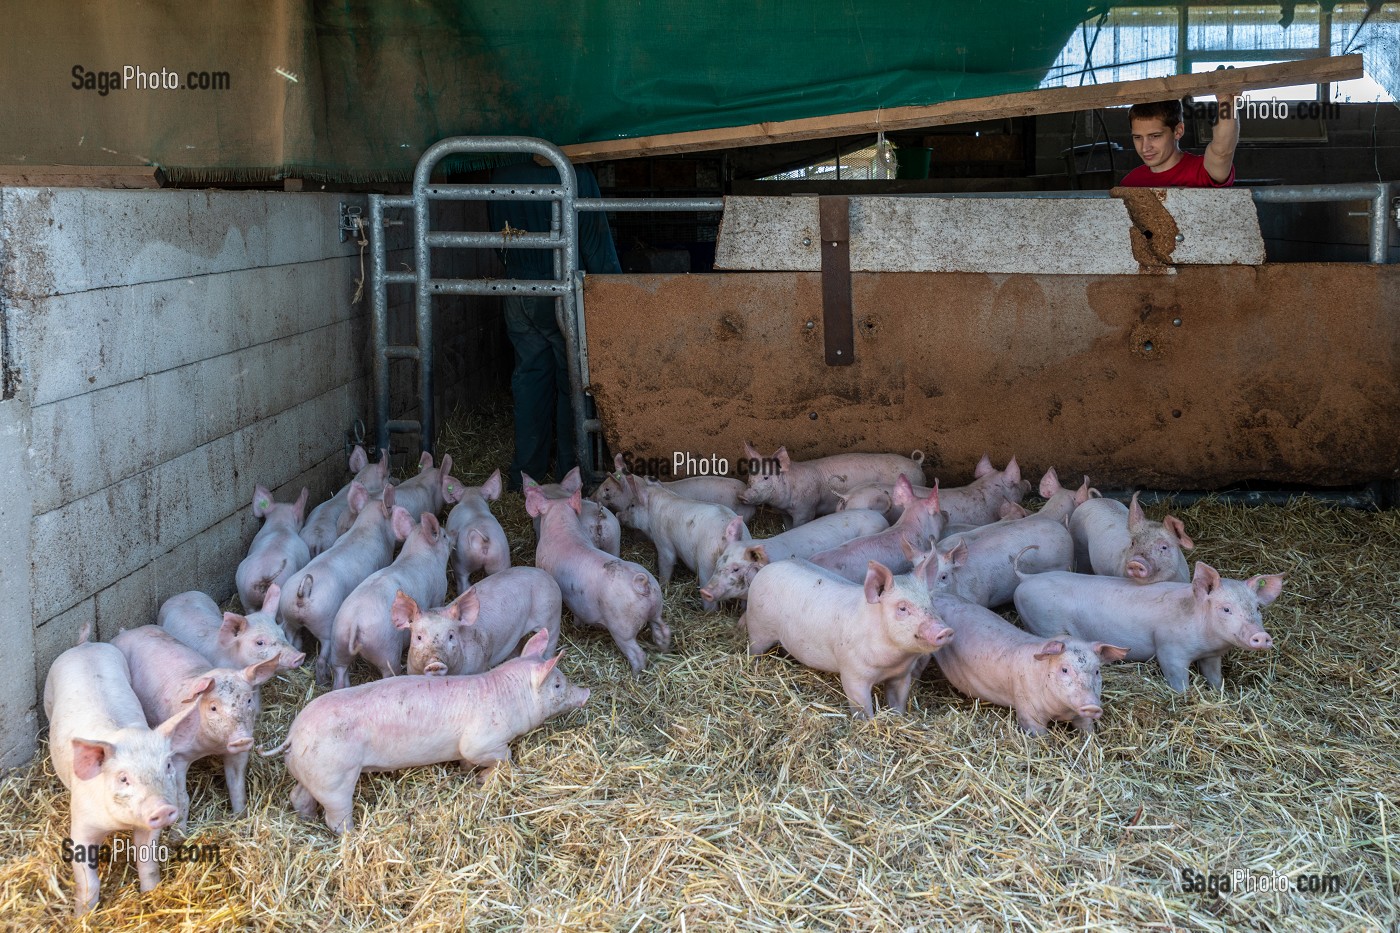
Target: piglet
x,y
323,525
601,590
742,558
277,551
919,523
478,541
600,524
978,503
1117,541
120,773
313,596
482,627
1178,623
696,533
364,625
804,490
227,639
869,633
1041,680
614,495
408,722
433,488
167,675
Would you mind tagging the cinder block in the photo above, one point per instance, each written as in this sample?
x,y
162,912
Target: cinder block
x,y
193,492
177,424
90,543
220,550
175,571
87,442
57,635
128,603
77,343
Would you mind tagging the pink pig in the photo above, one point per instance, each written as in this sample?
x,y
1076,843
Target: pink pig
x,y
869,633
478,541
408,722
168,675
1117,541
601,525
323,525
433,487
364,624
613,492
482,627
313,596
119,772
916,530
1178,623
601,590
277,551
804,490
227,639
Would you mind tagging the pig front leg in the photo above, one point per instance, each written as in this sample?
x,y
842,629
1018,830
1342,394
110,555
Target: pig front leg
x,y
897,691
182,798
235,779
147,868
857,690
665,561
1030,725
483,762
1210,669
660,631
1084,724
323,663
85,883
1177,669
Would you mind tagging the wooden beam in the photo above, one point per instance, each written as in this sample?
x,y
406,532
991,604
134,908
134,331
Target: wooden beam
x,y
999,107
82,176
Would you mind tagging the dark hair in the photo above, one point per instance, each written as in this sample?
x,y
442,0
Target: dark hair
x,y
1168,111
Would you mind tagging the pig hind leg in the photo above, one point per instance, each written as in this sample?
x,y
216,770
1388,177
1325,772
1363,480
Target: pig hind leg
x,y
634,653
303,802
761,641
660,631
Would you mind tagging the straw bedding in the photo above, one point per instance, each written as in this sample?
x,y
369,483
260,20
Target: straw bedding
x,y
717,792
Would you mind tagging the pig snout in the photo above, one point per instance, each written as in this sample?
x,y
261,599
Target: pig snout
x,y
1091,711
1138,569
1260,640
160,814
289,658
579,696
707,595
935,634
435,668
239,742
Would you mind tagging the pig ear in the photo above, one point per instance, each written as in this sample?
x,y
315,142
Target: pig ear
x,y
1011,510
262,501
537,645
1136,517
984,466
88,757
903,494
910,552
491,489
750,452
1051,649
527,481
878,579
734,531
358,459
271,598
1083,494
389,496
843,499
383,462
234,624
957,554
359,497
619,464
1178,531
181,728
1266,588
452,488
466,609
784,461
631,486
401,522
425,462
403,611
933,500
299,509
1205,580
446,465
431,524
1109,653
197,689
1049,483
576,502
758,554
534,499
572,481
260,673
1012,471
542,671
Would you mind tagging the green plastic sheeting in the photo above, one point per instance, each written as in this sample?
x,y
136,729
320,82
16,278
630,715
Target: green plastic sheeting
x,y
355,91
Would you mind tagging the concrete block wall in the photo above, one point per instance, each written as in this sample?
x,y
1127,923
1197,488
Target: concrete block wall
x,y
164,352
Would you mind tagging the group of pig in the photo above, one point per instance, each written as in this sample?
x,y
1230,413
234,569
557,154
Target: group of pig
x,y
875,575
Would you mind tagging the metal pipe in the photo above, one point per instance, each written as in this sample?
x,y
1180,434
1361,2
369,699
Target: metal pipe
x,y
1298,194
540,289
650,204
379,317
496,192
459,239
1380,226
1348,499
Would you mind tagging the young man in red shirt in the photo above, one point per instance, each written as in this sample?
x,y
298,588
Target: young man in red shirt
x,y
1157,129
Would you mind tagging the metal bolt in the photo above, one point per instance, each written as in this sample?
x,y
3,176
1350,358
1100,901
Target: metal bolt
x,y
838,352
806,241
1181,238
1176,322
833,243
813,416
811,324
1146,347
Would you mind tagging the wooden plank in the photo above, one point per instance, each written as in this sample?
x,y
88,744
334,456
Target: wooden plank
x,y
999,107
82,176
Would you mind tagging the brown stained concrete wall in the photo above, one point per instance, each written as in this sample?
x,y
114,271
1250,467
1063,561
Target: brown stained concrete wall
x,y
1288,373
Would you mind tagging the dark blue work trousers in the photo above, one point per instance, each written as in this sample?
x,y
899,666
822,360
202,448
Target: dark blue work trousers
x,y
540,384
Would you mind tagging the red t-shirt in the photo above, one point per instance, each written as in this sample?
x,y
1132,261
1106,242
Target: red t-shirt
x,y
1190,172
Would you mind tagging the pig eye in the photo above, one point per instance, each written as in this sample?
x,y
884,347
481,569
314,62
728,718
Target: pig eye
x,y
1225,609
261,643
213,707
417,637
451,637
123,778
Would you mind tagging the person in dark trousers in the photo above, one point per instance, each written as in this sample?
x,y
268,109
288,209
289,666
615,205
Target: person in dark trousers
x,y
544,418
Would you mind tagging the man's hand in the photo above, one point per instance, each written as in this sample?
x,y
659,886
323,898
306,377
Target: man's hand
x,y
1220,154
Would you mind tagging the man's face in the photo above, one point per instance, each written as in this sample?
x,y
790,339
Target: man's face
x,y
1154,142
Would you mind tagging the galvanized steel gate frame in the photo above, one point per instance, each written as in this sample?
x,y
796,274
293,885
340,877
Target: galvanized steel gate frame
x,y
566,287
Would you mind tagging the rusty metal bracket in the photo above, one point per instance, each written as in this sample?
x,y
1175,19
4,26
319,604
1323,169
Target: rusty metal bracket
x,y
838,331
